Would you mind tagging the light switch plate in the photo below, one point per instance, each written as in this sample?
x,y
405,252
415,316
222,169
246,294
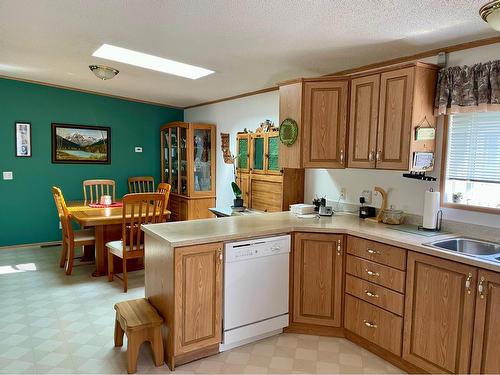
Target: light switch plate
x,y
8,175
138,149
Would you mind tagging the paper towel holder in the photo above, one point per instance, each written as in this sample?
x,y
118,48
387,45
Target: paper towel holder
x,y
439,222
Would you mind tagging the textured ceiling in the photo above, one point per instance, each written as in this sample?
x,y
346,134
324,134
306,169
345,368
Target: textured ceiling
x,y
251,44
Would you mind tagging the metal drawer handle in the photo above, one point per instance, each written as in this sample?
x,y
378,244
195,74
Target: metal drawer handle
x,y
468,283
371,251
369,324
371,294
371,273
339,247
480,288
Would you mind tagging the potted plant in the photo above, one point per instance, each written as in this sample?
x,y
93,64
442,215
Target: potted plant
x,y
457,197
238,201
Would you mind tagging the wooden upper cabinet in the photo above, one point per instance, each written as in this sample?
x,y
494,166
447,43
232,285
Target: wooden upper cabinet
x,y
485,353
363,121
317,279
198,293
439,314
325,124
395,116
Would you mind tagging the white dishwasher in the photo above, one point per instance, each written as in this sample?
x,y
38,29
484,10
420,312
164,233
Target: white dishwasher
x,y
255,290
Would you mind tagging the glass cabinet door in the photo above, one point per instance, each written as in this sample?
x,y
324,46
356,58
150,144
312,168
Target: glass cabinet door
x,y
183,159
174,159
165,177
273,153
243,153
202,160
258,153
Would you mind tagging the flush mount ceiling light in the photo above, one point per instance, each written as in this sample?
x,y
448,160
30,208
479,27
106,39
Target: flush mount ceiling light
x,y
143,60
103,72
490,13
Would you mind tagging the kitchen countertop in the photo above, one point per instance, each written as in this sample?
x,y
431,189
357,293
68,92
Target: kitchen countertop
x,y
185,233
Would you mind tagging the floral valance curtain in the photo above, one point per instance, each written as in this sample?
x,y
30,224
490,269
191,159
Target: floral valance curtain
x,y
474,88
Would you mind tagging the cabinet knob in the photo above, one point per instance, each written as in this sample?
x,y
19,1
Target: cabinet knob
x,y
370,155
369,324
371,251
379,152
342,156
339,247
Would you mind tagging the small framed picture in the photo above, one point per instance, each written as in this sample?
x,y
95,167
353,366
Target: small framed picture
x,y
23,139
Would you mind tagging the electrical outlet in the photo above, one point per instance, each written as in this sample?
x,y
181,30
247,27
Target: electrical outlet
x,y
343,193
368,196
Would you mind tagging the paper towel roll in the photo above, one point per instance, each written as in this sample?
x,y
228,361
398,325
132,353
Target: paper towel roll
x,y
431,208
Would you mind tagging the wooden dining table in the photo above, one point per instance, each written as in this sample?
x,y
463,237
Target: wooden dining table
x,y
107,224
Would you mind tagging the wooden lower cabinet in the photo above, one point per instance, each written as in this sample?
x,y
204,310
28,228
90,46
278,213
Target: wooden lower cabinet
x,y
198,297
187,208
486,346
439,314
317,279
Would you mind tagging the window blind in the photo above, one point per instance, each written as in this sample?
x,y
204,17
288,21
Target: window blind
x,y
474,147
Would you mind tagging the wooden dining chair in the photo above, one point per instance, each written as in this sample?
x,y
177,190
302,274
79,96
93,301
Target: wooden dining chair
x,y
70,238
138,209
164,188
96,189
144,184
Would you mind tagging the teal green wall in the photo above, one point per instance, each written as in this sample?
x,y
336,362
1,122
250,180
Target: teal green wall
x,y
28,213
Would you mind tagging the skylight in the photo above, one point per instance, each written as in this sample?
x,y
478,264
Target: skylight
x,y
143,60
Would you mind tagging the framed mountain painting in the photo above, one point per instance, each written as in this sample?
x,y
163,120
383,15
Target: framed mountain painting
x,y
81,144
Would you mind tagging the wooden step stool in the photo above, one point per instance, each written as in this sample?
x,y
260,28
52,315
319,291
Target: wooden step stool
x,y
141,322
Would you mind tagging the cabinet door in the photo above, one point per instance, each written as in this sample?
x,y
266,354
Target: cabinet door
x,y
317,279
439,314
394,124
363,121
258,155
198,297
485,353
243,152
203,159
325,124
272,153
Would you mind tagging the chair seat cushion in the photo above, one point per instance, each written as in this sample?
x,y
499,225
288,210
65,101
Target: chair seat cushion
x,y
136,314
84,235
116,247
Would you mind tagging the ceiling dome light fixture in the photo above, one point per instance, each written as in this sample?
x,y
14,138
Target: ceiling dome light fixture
x,y
490,13
103,72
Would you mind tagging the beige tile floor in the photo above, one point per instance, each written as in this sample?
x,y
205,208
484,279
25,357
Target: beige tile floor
x,y
51,323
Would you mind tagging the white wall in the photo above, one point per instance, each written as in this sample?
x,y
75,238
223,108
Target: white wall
x,y
231,117
404,193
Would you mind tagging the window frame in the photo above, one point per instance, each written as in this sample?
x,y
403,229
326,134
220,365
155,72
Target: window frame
x,y
442,182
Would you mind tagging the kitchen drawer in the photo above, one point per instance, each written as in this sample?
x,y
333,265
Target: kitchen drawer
x,y
377,252
375,294
374,324
376,273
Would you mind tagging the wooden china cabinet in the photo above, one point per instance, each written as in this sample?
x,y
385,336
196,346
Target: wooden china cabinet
x,y
264,184
188,165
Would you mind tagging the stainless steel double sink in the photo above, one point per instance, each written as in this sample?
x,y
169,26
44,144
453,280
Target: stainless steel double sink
x,y
476,248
